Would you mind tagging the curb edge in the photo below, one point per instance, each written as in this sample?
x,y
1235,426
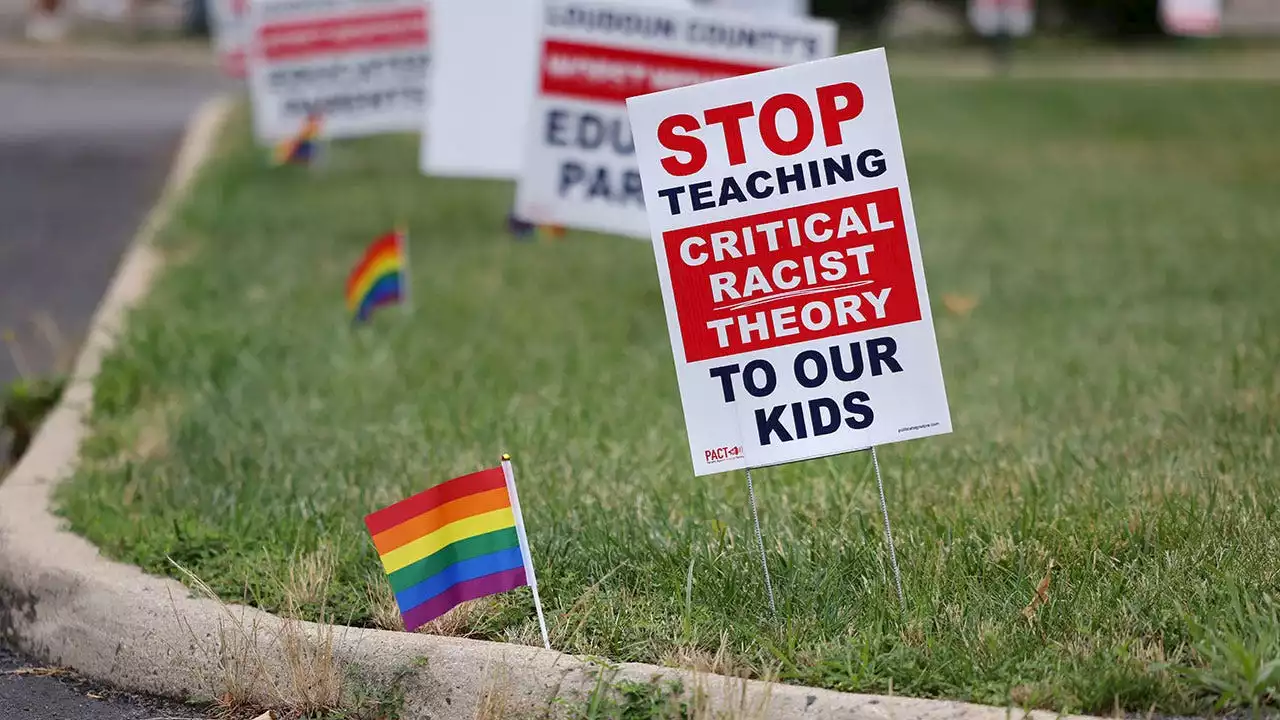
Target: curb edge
x,y
99,52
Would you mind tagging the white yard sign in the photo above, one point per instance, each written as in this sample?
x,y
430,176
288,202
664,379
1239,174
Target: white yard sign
x,y
579,165
494,45
482,77
229,21
1013,17
784,8
361,64
1194,18
790,268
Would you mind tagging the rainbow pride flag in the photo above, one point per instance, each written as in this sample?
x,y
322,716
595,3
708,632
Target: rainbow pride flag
x,y
379,278
301,148
460,540
523,229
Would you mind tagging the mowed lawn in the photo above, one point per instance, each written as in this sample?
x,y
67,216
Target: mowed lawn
x,y
1103,258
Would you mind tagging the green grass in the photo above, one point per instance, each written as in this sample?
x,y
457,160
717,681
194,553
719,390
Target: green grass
x,y
1115,393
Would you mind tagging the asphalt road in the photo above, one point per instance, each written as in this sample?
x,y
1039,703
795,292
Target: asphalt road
x,y
84,149
29,691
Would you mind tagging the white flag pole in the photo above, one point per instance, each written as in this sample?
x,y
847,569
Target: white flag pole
x,y
509,474
324,144
402,234
888,533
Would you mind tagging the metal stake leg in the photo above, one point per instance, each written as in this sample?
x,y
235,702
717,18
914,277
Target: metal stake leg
x,y
768,583
888,533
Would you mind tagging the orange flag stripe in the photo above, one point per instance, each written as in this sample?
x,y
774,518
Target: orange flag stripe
x,y
428,522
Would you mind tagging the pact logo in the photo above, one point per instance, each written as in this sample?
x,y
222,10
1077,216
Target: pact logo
x,y
720,454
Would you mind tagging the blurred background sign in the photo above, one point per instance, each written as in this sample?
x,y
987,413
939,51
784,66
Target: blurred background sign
x,y
103,9
1002,17
792,8
1198,18
230,33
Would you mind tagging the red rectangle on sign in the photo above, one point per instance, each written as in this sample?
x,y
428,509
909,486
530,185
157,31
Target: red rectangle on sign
x,y
793,275
594,72
349,33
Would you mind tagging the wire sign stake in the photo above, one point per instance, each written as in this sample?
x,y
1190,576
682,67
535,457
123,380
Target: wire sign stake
x,y
755,515
888,532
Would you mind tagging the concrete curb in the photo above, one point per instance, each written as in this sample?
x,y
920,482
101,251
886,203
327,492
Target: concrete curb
x,y
60,600
177,55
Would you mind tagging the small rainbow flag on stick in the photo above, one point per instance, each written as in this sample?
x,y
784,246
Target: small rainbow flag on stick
x,y
380,277
301,148
460,540
524,229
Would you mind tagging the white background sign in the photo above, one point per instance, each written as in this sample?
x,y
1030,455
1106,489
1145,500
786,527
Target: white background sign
x,y
489,44
360,63
789,263
1017,17
783,8
579,165
229,22
482,77
1202,18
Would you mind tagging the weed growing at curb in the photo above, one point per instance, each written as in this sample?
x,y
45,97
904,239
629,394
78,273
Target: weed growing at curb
x,y
1103,256
26,401
367,699
625,699
664,699
290,668
493,696
23,407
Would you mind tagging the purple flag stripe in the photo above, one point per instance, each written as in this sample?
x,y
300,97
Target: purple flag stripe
x,y
419,615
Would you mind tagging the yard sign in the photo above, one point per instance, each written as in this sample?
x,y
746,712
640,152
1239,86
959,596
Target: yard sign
x,y
795,8
579,165
790,268
230,25
1011,17
490,44
360,63
475,44
1194,18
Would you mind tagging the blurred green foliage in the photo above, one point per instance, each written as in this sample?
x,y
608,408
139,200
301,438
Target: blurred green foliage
x,y
23,406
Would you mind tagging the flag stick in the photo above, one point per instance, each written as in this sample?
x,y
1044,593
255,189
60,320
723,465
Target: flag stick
x,y
888,533
509,474
322,148
768,582
403,233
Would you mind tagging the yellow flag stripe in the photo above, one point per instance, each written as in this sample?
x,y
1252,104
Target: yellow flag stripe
x,y
424,546
381,266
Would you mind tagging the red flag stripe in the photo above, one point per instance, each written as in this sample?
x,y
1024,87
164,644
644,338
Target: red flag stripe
x,y
389,243
431,498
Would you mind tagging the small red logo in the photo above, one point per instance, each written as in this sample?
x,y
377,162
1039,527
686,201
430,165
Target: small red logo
x,y
720,454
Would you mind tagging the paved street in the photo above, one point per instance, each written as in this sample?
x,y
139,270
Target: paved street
x,y
84,148
29,692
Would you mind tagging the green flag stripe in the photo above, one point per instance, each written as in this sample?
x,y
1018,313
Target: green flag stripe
x,y
490,542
